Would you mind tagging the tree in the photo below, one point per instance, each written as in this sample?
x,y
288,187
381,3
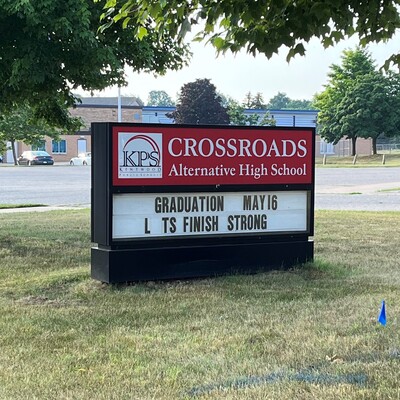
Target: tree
x,y
300,105
199,104
238,116
255,102
50,48
282,102
279,102
225,100
248,100
20,124
262,26
356,64
258,102
370,107
160,98
359,101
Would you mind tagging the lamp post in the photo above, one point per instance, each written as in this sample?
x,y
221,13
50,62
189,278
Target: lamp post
x,y
119,105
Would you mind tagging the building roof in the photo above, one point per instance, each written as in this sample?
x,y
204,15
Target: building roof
x,y
108,101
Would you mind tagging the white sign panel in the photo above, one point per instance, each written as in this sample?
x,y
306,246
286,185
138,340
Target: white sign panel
x,y
139,155
137,215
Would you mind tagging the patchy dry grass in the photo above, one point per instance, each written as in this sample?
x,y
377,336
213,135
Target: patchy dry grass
x,y
307,333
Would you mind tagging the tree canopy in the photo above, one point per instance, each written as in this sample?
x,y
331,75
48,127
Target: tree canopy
x,y
160,98
20,124
199,104
50,48
281,101
358,101
370,107
254,102
260,26
238,116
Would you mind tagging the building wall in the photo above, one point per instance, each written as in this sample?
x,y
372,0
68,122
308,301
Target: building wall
x,y
91,114
88,114
364,146
295,118
342,148
71,146
305,118
157,115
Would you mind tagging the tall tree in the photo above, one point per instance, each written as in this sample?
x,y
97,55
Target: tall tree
x,y
199,104
263,26
248,100
255,102
160,98
370,107
50,48
258,102
20,124
355,65
238,116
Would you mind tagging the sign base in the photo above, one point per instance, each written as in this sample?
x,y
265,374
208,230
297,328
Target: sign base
x,y
127,265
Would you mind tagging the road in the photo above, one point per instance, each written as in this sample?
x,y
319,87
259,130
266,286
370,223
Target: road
x,y
335,188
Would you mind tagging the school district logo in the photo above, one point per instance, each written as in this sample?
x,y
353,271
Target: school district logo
x,y
139,155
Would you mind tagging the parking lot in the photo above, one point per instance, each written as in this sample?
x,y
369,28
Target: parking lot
x,y
335,188
369,189
50,185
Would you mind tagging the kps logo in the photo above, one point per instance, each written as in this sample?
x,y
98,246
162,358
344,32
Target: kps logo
x,y
140,155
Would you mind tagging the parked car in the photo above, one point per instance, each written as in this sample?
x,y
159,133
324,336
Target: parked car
x,y
35,158
82,159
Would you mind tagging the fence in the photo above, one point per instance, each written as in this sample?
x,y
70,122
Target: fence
x,y
388,148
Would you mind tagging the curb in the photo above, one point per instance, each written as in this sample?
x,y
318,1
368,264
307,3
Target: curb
x,y
42,209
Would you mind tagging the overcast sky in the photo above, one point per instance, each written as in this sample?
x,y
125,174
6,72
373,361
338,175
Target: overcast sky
x,y
235,76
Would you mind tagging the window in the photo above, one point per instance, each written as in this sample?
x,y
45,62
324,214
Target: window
x,y
326,148
39,146
59,146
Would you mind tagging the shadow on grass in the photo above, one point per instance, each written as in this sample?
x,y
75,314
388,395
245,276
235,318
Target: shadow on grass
x,y
302,376
318,279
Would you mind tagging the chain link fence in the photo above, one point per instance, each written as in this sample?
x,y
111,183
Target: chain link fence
x,y
388,148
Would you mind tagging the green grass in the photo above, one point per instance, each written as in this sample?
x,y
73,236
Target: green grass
x,y
396,189
8,206
391,160
307,333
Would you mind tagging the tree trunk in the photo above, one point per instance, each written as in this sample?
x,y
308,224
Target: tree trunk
x,y
353,146
14,152
374,151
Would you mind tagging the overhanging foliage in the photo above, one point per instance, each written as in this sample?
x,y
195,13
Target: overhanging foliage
x,y
49,48
260,26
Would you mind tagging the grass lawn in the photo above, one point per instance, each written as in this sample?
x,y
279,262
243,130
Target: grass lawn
x,y
391,160
307,333
7,206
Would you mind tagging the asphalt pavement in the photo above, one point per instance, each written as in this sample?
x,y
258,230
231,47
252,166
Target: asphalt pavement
x,y
52,185
65,186
365,189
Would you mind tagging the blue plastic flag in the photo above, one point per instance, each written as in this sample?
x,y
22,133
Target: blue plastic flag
x,y
382,314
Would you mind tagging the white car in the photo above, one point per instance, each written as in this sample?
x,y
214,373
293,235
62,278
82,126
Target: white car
x,y
82,159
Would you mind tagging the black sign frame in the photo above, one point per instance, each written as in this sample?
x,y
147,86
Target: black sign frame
x,y
124,260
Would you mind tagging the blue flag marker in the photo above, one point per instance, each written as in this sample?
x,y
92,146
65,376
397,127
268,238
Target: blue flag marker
x,y
382,314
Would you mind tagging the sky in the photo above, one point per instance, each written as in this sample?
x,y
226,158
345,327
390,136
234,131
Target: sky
x,y
236,75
